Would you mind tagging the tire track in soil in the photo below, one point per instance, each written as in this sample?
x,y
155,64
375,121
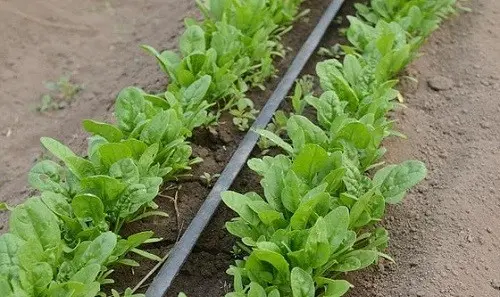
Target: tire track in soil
x,y
445,237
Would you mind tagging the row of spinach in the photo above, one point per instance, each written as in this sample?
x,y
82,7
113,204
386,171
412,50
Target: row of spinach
x,y
66,240
317,217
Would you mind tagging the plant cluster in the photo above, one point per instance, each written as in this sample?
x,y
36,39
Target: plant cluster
x,y
317,216
235,45
66,240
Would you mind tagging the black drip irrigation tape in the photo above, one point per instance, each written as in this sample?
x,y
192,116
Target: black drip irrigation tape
x,y
183,248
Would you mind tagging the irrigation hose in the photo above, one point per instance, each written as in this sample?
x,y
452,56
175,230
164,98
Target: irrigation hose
x,y
183,248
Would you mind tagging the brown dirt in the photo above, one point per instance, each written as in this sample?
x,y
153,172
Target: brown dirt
x,y
97,43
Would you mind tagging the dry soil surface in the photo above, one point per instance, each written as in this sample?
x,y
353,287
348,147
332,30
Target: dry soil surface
x,y
446,235
94,42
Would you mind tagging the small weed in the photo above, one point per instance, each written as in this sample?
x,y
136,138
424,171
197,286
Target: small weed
x,y
60,95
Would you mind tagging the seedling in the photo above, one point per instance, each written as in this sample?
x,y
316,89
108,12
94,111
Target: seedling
x,y
243,112
209,179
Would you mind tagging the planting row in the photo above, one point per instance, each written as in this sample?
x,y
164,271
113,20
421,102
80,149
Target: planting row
x,y
66,240
322,199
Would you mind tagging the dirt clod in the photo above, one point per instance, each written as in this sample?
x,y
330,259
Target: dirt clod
x,y
495,284
440,83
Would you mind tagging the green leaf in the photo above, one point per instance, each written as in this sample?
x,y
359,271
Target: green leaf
x,y
241,229
59,150
147,159
88,206
104,187
4,206
293,190
57,203
334,179
111,153
332,79
309,161
40,275
125,170
47,176
239,203
9,247
276,260
150,214
97,252
267,215
153,131
302,131
109,132
79,166
369,208
276,140
356,260
137,147
256,290
168,60
302,283
395,180
192,40
356,133
352,69
337,221
33,221
129,262
129,108
87,274
333,288
301,217
317,245
196,92
146,254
